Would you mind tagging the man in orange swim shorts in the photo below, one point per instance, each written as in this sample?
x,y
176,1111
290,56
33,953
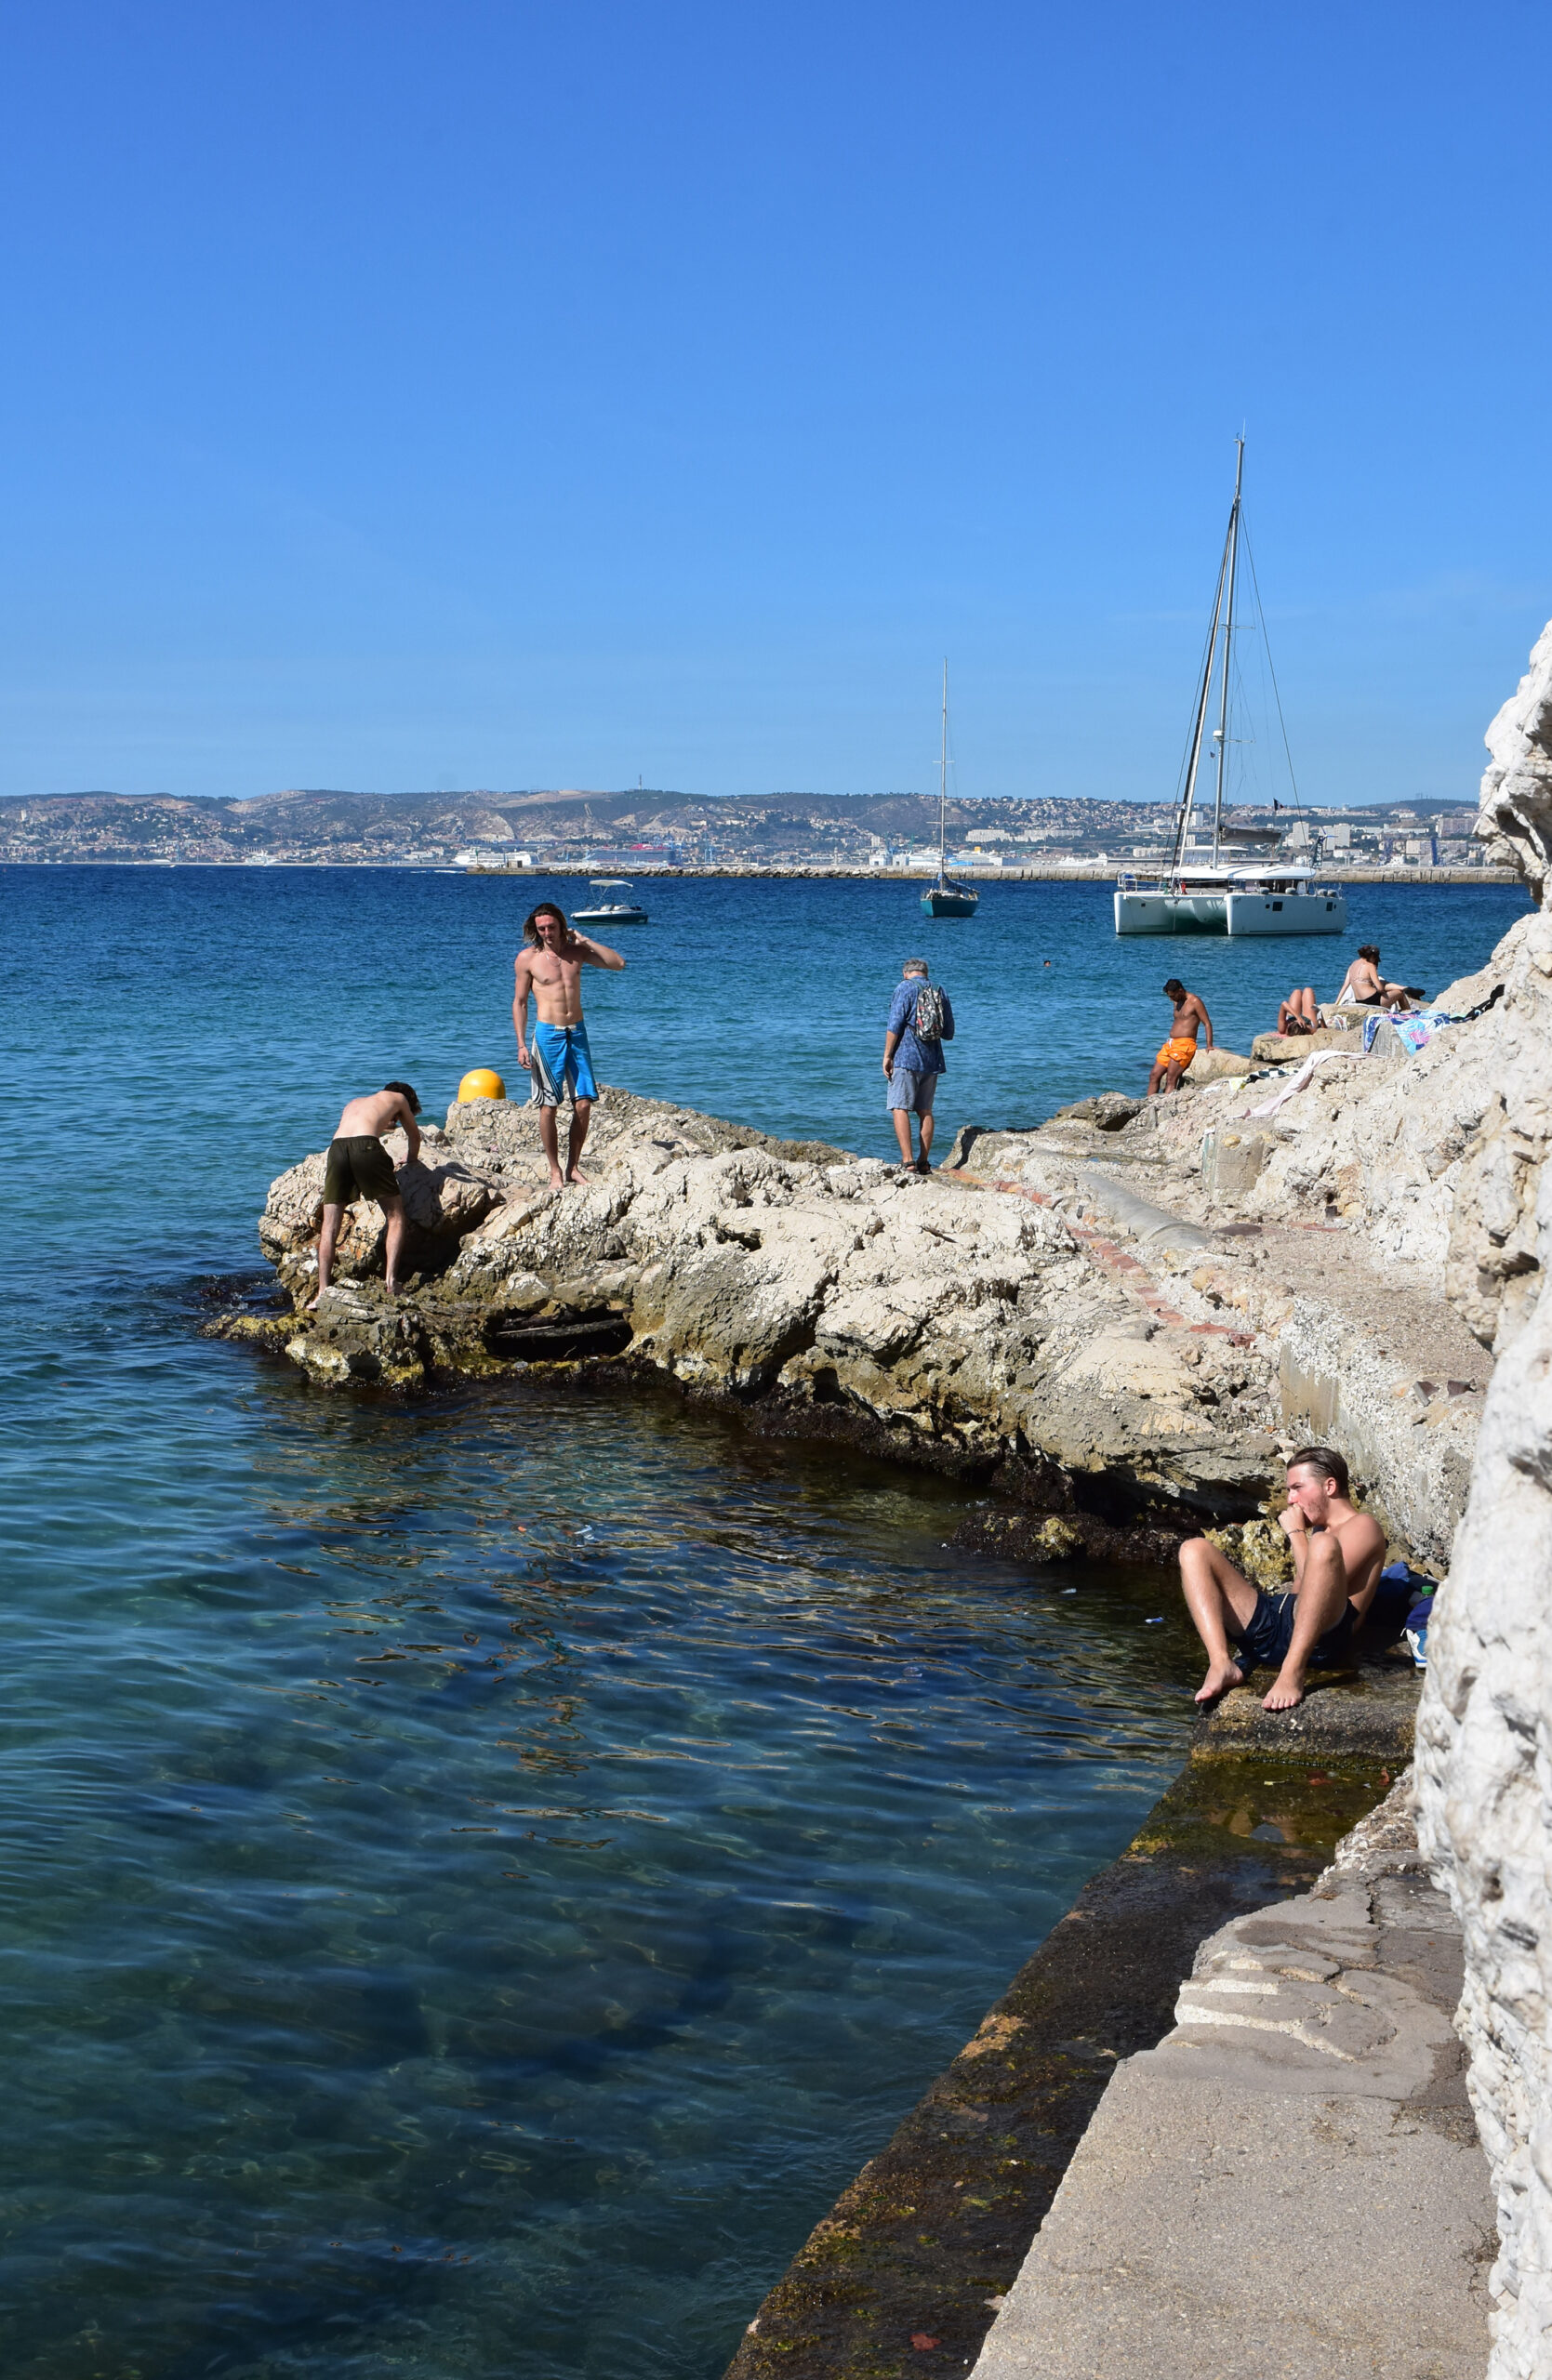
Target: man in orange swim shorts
x,y
1181,1047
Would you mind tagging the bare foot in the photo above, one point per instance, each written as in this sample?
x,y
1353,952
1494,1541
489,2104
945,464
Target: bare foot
x,y
577,1175
1220,1676
557,1179
1286,1695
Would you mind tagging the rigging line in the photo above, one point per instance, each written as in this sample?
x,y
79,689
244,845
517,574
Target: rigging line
x,y
1242,702
1208,642
1271,666
1187,806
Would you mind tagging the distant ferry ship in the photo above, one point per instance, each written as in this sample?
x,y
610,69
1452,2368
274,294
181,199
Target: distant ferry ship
x,y
1210,896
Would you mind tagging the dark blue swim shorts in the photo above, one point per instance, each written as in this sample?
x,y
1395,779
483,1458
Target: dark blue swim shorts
x,y
1264,1638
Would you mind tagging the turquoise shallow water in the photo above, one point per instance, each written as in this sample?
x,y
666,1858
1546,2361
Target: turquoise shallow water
x,y
480,1876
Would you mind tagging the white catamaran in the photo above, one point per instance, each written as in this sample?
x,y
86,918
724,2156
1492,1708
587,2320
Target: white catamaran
x,y
1210,897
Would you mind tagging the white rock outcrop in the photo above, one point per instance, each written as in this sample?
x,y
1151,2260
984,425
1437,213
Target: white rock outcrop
x,y
1514,814
1485,1727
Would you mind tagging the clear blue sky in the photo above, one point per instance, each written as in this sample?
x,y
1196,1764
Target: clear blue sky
x,y
412,396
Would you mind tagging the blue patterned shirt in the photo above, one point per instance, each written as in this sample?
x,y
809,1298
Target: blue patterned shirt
x,y
920,1057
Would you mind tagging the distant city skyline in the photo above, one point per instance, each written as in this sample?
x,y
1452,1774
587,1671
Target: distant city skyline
x,y
642,830
444,400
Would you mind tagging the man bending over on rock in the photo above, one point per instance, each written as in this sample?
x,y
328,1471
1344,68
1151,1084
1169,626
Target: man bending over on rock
x,y
549,965
1181,1047
359,1167
1339,1553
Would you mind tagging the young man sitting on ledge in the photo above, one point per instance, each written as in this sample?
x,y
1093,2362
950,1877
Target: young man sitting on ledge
x,y
1339,1553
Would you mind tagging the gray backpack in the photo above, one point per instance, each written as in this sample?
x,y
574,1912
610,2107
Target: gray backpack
x,y
932,1015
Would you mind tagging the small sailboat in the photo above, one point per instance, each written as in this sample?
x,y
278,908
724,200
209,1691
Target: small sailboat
x,y
605,912
1207,896
945,899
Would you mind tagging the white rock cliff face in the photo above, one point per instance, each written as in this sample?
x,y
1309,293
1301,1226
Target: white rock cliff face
x,y
1485,1727
1515,817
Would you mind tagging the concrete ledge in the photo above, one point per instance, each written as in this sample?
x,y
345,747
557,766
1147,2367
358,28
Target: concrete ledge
x,y
1290,2184
905,2272
1369,1710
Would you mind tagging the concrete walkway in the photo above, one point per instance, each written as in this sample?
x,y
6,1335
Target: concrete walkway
x,y
1290,2184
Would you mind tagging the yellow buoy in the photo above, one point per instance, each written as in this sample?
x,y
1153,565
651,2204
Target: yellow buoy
x,y
482,1082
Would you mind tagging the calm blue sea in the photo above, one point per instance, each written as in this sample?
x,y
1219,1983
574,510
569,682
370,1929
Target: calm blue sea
x,y
479,1876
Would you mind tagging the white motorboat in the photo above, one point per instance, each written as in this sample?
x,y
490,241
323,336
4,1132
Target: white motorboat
x,y
610,913
1210,895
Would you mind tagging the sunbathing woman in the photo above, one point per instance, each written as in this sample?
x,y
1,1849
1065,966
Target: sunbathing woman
x,y
1366,987
1298,1013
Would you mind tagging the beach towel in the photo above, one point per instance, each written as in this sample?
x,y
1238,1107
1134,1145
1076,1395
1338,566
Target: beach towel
x,y
1306,1075
1416,1028
1413,1030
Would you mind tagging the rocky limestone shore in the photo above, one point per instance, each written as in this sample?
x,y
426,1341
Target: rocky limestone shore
x,y
937,1320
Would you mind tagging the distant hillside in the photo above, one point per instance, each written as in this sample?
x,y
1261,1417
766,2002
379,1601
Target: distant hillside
x,y
319,824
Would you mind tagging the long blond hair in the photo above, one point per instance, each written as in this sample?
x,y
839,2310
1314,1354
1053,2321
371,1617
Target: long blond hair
x,y
545,909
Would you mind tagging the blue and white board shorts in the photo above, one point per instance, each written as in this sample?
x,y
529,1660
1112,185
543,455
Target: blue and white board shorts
x,y
559,1061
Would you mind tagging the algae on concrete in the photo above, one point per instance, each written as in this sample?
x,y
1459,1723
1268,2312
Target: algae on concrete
x,y
905,2272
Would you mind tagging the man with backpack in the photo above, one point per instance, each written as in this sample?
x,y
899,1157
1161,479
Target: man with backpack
x,y
920,1021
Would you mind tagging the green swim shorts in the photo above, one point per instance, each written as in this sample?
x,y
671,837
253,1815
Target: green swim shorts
x,y
359,1167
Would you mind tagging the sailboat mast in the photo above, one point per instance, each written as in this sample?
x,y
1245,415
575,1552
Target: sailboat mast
x,y
1227,635
943,782
1204,688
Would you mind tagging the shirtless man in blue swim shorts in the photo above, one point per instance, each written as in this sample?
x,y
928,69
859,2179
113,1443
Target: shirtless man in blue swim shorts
x,y
549,966
1339,1553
